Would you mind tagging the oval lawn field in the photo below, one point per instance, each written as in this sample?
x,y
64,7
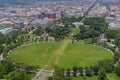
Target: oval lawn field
x,y
61,54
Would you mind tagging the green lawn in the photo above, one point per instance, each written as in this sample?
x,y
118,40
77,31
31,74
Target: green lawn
x,y
62,54
111,76
83,55
73,31
36,54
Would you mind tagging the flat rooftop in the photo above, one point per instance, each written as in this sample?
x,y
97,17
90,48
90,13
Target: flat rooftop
x,y
2,26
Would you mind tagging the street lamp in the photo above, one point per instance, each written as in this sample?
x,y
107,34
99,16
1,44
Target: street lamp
x,y
72,38
11,38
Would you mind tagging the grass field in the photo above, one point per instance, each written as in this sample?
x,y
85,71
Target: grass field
x,y
111,76
63,54
36,54
83,55
73,31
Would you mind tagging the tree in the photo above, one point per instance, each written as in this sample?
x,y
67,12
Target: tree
x,y
15,75
5,68
111,34
86,33
2,71
39,31
60,32
2,38
96,23
80,69
75,68
108,65
88,72
102,74
94,40
47,30
8,65
116,57
117,40
69,21
117,70
7,40
95,69
68,72
59,75
1,49
28,69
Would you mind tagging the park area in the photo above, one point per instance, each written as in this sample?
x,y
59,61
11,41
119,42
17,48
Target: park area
x,y
62,54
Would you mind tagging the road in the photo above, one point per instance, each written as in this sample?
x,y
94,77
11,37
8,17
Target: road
x,y
43,74
87,12
1,57
32,31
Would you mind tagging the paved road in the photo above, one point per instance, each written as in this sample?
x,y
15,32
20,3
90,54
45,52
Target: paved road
x,y
32,31
87,12
1,57
43,75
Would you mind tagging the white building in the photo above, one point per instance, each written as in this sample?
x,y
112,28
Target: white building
x,y
78,24
109,19
114,26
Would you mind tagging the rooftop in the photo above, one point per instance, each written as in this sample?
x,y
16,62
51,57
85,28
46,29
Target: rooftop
x,y
2,26
5,29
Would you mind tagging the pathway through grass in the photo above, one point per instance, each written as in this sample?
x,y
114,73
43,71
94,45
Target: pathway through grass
x,y
57,56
